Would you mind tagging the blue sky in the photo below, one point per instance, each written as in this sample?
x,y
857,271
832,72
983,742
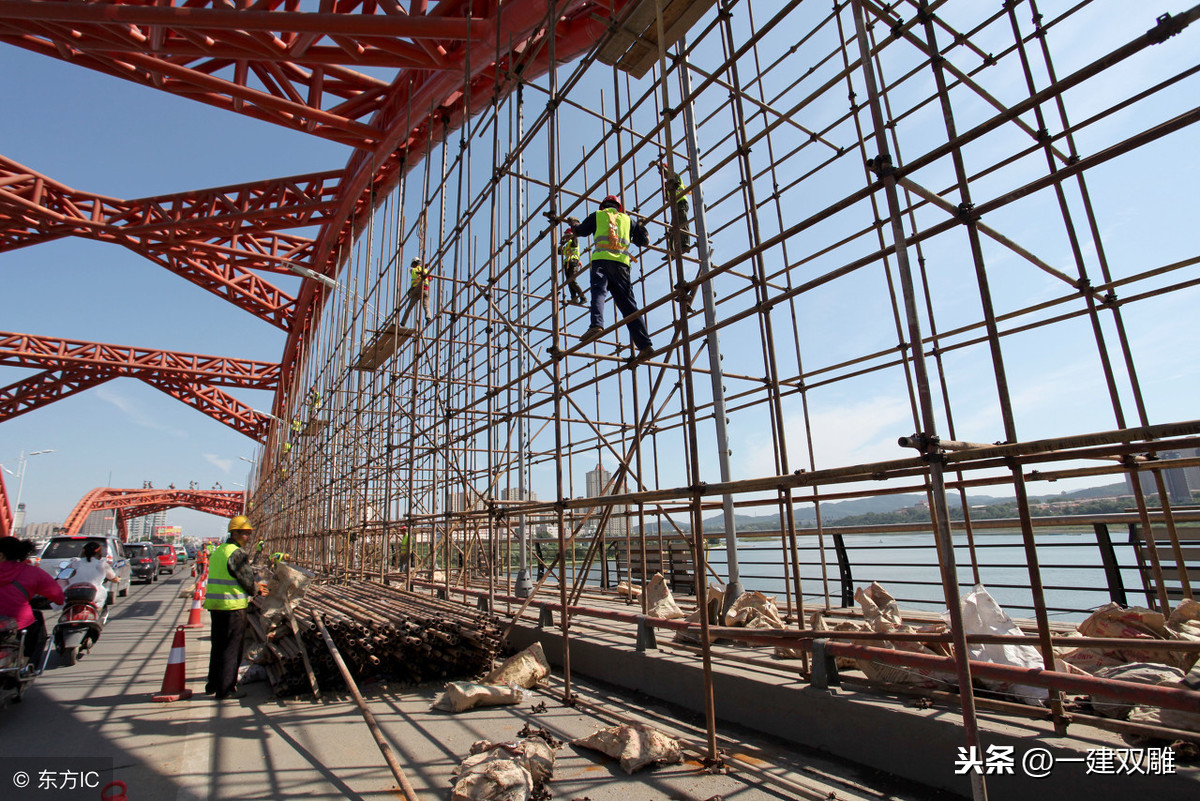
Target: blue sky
x,y
111,137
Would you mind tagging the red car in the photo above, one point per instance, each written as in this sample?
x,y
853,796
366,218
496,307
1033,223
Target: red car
x,y
166,558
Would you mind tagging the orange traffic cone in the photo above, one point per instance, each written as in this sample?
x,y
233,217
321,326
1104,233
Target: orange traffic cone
x,y
173,688
196,616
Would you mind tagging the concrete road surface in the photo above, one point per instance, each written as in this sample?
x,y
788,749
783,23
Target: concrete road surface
x,y
99,713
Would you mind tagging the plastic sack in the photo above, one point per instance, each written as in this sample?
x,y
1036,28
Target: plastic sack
x,y
503,771
527,669
459,696
982,615
756,611
1135,622
1139,673
493,780
634,745
879,608
660,602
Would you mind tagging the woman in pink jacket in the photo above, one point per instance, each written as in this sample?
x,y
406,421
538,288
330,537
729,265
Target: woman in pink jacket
x,y
19,582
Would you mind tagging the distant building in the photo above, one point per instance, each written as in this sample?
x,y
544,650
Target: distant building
x,y
1179,481
514,494
142,528
18,522
618,523
466,502
99,523
39,531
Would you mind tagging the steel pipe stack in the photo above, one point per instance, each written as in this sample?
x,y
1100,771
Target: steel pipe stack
x,y
381,632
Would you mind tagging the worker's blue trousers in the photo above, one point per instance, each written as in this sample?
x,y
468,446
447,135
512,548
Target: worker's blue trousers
x,y
613,276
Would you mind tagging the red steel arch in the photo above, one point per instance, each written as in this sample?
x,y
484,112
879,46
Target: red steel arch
x,y
71,366
296,69
131,503
6,512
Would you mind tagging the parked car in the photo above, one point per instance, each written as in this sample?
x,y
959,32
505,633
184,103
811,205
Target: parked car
x,y
166,558
60,550
143,561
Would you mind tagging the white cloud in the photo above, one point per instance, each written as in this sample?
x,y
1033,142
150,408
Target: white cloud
x,y
135,411
223,464
863,431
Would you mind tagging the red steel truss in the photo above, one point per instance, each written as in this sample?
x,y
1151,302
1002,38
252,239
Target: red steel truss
x,y
211,237
299,70
6,512
71,366
131,503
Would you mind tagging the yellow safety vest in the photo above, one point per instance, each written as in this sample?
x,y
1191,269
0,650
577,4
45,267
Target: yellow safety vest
x,y
612,236
223,593
569,248
681,193
420,276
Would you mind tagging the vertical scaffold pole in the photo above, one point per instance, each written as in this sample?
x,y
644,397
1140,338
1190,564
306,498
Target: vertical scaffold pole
x,y
733,587
936,466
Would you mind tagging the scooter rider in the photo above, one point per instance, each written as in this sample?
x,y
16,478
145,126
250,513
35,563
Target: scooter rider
x,y
19,582
93,568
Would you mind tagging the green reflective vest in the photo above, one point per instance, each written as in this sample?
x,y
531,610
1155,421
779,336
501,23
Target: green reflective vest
x,y
612,236
569,249
223,593
675,185
419,277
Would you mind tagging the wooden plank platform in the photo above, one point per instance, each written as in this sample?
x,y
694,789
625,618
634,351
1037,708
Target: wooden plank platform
x,y
633,48
381,347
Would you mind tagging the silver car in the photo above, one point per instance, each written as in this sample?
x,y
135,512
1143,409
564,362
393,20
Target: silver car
x,y
61,550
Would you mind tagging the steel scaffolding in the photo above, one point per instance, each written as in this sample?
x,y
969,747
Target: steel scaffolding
x,y
938,250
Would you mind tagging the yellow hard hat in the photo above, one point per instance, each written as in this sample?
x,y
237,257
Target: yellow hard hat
x,y
240,523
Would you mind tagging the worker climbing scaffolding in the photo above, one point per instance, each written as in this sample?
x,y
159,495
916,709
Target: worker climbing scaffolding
x,y
568,249
613,231
418,290
679,237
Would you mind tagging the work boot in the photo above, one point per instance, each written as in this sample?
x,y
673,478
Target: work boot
x,y
645,353
592,333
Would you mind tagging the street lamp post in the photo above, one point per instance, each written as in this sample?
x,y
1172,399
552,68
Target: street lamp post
x,y
22,460
245,488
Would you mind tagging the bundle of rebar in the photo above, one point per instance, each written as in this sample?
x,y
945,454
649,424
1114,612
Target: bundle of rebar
x,y
382,633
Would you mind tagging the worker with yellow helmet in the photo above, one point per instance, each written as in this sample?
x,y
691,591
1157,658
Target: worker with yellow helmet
x,y
231,582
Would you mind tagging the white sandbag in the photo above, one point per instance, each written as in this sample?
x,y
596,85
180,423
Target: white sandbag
x,y
1139,673
879,608
527,669
532,753
634,745
754,610
625,590
493,780
459,696
982,615
659,600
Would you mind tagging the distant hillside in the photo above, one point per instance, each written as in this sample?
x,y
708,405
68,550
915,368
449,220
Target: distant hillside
x,y
904,508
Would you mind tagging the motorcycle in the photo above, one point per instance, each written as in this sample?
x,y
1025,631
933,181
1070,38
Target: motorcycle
x,y
81,621
16,671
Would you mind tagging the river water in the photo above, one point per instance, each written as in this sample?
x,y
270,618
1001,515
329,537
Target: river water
x,y
1069,560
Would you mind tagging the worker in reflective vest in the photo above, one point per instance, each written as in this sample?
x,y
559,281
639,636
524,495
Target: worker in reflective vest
x,y
418,290
613,232
682,200
569,250
230,583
